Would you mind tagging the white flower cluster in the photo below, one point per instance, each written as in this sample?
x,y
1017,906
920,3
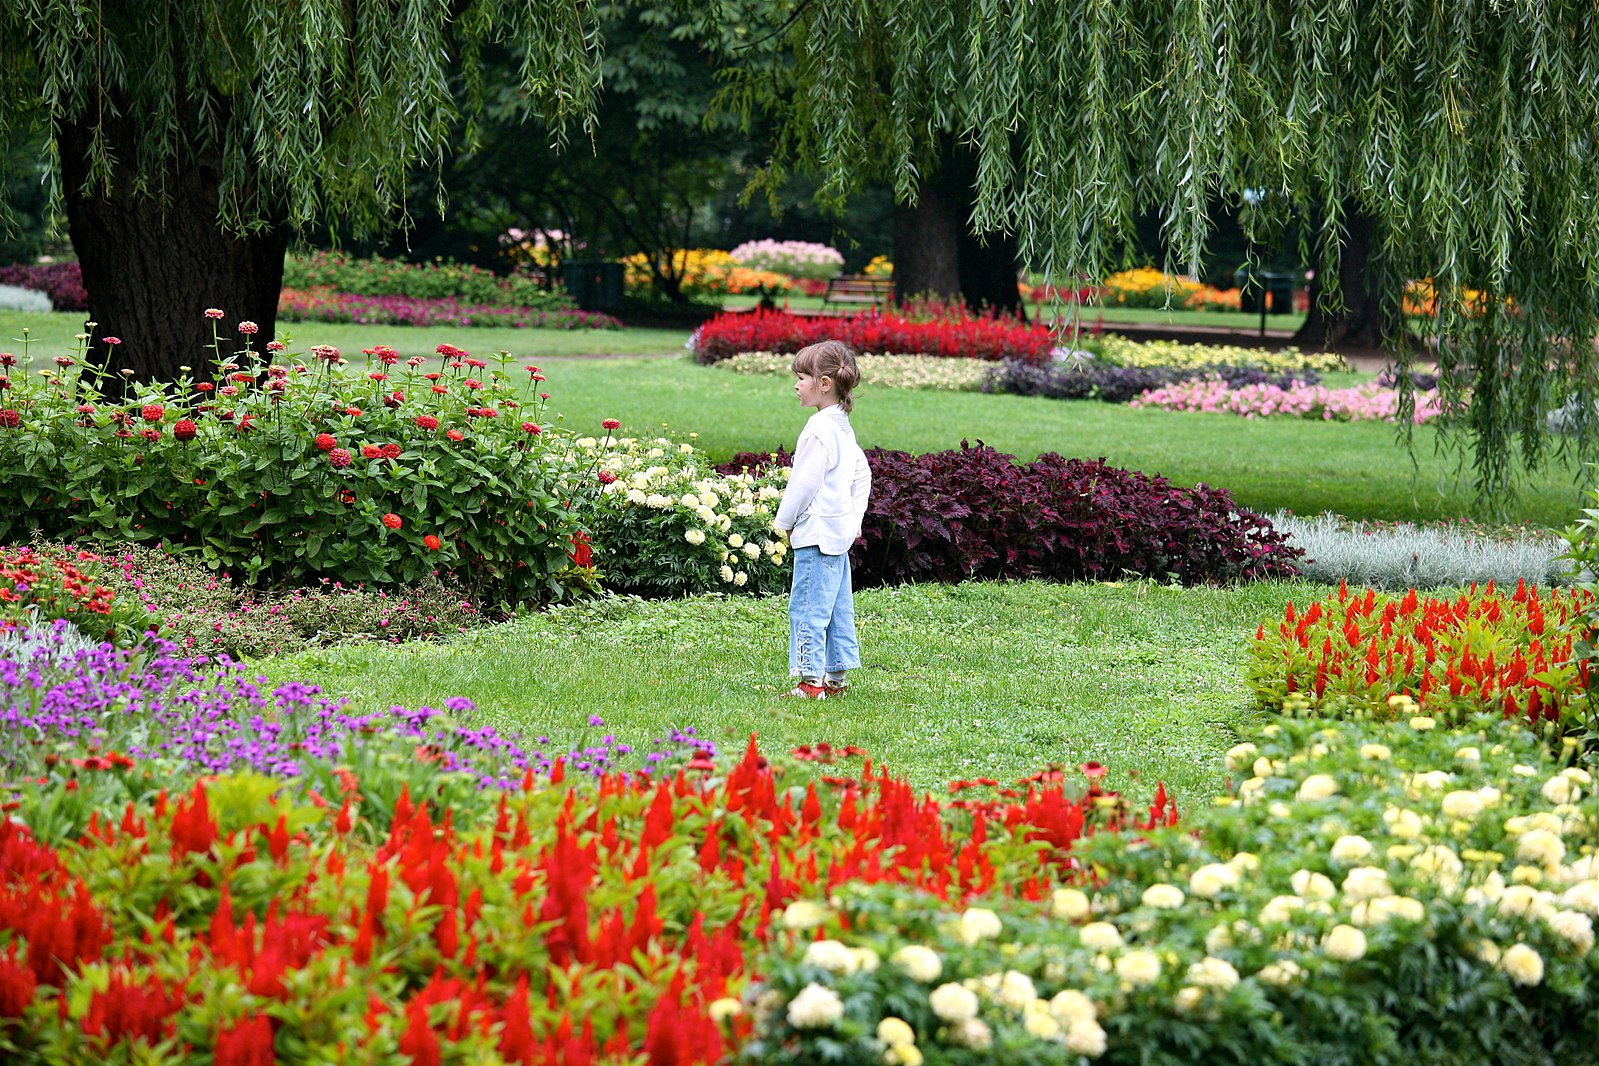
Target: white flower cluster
x,y
661,505
881,371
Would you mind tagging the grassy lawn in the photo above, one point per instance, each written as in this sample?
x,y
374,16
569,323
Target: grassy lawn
x,y
54,334
958,681
1356,469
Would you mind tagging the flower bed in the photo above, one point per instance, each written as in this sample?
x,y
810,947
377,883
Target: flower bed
x,y
42,585
376,473
327,305
1372,894
794,259
1120,351
880,371
963,336
1453,658
1148,287
665,522
331,271
704,272
62,282
1370,402
1086,380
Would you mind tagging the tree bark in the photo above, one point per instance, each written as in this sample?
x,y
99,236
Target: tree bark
x,y
935,252
1359,324
152,266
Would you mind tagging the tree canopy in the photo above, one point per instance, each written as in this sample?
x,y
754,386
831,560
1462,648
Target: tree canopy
x,y
1464,131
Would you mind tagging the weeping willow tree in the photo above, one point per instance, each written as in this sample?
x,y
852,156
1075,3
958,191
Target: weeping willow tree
x,y
1460,135
192,137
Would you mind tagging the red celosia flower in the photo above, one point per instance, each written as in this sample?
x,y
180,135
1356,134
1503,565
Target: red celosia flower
x,y
393,521
426,422
611,424
326,442
339,458
184,430
17,984
391,451
153,412
245,1043
432,543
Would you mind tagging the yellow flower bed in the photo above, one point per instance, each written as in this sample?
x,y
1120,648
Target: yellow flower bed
x,y
1148,287
706,272
1119,351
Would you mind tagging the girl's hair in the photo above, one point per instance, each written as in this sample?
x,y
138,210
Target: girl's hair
x,y
833,359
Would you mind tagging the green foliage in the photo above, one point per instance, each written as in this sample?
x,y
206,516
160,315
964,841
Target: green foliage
x,y
446,279
285,473
1463,131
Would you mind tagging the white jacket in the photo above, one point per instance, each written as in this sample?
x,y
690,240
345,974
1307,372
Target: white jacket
x,y
825,500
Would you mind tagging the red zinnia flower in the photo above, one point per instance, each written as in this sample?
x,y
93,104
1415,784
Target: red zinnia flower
x,y
440,389
151,434
371,451
339,458
449,351
473,383
203,386
532,427
213,312
378,376
606,477
432,543
353,412
326,442
453,434
611,423
153,412
10,419
427,421
391,451
184,430
242,378
392,520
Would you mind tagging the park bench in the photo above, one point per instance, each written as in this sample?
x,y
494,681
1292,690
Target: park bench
x,y
858,289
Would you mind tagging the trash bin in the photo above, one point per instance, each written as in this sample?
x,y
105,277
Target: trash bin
x,y
1250,289
1280,290
594,284
1254,286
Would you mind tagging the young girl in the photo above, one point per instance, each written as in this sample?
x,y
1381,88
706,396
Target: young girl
x,y
823,507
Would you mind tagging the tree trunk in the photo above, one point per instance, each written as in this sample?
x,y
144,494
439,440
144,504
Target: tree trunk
x,y
152,268
1359,323
935,252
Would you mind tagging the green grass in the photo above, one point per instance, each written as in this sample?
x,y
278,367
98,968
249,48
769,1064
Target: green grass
x,y
1357,469
54,334
957,681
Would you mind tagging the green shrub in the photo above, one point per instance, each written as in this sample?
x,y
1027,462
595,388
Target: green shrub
x,y
442,279
282,474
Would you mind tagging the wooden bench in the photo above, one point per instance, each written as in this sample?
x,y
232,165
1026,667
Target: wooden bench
x,y
858,289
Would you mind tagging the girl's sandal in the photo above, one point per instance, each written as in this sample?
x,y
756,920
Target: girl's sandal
x,y
835,688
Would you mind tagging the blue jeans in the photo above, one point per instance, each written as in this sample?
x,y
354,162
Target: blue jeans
x,y
821,616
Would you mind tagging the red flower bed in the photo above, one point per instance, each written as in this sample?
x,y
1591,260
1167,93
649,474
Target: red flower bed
x,y
555,924
1481,651
953,336
43,586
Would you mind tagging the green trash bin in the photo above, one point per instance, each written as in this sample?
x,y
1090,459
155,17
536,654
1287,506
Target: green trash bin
x,y
1280,292
1274,288
1251,288
595,285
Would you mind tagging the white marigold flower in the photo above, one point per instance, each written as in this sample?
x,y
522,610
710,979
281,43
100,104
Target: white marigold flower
x,y
815,1008
721,1010
1100,936
726,573
1421,723
895,1032
745,510
903,1055
1071,1007
741,579
1573,927
1280,909
1344,943
1284,972
1464,805
640,480
1138,968
695,537
1040,1024
1487,951
1583,896
1239,756
832,956
1430,781
688,499
751,550
705,514
1525,900
1312,885
636,496
1219,938
804,914
1376,752
1350,848
1540,846
1211,972
1489,795
1011,988
1367,882
1522,965
1264,767
1403,822
735,541
1245,862
1468,755
1317,787
979,923
1577,775
686,448
1163,897
1560,789
1438,862
1525,823
972,1033
919,963
1386,908
1069,904
952,1003
657,501
1188,998
1212,879
1086,1038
